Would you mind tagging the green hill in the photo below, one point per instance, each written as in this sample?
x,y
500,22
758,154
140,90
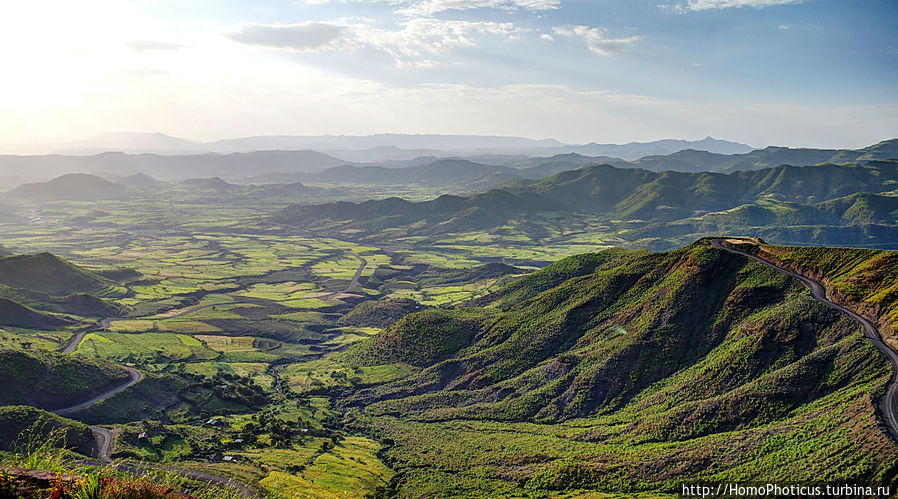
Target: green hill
x,y
380,313
16,315
71,187
18,421
638,197
53,381
49,274
638,375
863,279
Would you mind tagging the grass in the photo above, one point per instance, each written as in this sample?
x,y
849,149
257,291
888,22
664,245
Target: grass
x,y
577,378
144,347
327,374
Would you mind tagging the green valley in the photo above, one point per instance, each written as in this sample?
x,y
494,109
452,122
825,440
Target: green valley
x,y
551,337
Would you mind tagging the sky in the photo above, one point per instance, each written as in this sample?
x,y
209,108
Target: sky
x,y
812,73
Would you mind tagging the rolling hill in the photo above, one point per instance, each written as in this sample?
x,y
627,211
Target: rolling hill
x,y
35,287
19,422
16,315
46,273
441,172
50,381
691,160
646,201
70,187
627,371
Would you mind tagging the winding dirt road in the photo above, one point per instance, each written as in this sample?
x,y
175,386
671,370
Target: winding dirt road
x,y
135,377
887,405
104,442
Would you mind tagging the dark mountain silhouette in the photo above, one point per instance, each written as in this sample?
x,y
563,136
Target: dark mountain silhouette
x,y
73,186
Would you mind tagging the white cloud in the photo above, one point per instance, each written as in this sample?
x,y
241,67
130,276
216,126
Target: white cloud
x,y
597,39
419,36
414,8
431,7
303,37
726,4
411,45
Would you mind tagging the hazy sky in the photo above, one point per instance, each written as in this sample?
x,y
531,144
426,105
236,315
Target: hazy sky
x,y
790,72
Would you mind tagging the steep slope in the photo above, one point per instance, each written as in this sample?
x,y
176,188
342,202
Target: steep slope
x,y
51,381
18,423
49,274
16,315
694,365
71,187
864,280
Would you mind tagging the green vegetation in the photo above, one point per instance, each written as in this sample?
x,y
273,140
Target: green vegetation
x,y
494,344
52,381
850,201
23,428
49,274
677,357
865,280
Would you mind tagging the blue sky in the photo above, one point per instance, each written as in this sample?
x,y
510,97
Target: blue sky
x,y
800,73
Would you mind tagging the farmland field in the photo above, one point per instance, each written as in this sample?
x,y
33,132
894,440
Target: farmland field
x,y
232,317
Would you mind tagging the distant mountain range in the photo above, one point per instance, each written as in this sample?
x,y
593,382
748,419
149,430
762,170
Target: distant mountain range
x,y
784,195
464,174
181,167
691,160
373,148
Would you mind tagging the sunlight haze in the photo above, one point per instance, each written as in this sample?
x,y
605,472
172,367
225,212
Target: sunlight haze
x,y
813,73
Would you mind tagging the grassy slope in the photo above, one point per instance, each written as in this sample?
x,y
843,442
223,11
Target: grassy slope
x,y
53,381
691,365
16,315
864,279
653,203
17,420
48,274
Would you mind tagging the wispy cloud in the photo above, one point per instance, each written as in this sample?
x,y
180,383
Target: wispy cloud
x,y
411,45
597,39
727,4
303,37
431,7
